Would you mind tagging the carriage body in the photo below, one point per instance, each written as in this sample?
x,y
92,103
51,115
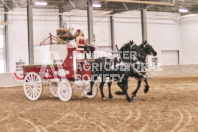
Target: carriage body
x,y
68,70
64,75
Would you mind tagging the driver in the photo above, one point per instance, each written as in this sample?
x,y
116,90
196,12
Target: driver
x,y
81,43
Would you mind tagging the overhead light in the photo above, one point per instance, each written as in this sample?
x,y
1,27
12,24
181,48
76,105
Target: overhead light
x,y
183,10
40,3
96,5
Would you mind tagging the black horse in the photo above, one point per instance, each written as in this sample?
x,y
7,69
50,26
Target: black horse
x,y
117,69
142,51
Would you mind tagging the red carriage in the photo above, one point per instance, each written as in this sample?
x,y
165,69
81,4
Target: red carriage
x,y
62,79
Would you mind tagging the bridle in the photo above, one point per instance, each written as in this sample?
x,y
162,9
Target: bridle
x,y
144,45
133,44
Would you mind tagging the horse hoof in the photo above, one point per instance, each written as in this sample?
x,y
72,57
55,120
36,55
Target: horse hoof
x,y
129,100
110,97
104,99
133,97
119,93
146,90
89,93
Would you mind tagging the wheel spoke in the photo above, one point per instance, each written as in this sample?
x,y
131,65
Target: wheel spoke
x,y
62,94
37,91
28,83
33,93
35,77
65,96
28,88
38,85
61,88
28,79
32,77
29,91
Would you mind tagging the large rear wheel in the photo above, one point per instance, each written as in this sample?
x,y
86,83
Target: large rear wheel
x,y
32,86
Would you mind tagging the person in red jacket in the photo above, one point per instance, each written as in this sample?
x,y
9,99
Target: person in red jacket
x,y
81,43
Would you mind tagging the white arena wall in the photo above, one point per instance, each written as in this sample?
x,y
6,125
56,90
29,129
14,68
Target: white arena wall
x,y
8,80
17,32
189,40
163,30
1,49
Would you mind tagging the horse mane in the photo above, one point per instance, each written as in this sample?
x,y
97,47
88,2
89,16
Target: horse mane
x,y
125,46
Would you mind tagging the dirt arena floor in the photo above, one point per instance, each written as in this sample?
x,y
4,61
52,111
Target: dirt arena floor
x,y
170,106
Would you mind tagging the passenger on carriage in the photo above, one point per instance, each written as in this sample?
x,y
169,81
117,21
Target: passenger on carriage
x,y
81,43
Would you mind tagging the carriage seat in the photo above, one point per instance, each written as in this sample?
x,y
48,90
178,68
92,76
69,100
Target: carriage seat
x,y
82,49
80,53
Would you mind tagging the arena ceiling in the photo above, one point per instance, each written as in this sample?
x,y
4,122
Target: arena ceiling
x,y
115,5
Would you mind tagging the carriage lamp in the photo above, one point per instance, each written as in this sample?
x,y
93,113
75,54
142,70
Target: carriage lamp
x,y
43,3
183,10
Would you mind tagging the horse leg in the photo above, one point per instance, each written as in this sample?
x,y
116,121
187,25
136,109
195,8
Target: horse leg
x,y
119,92
101,91
91,84
146,87
135,92
125,88
110,95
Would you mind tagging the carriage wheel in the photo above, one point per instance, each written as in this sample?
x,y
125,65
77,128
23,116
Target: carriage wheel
x,y
32,86
64,91
94,90
53,88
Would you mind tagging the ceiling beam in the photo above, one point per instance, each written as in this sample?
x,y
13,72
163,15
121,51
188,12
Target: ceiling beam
x,y
122,8
4,3
142,2
75,4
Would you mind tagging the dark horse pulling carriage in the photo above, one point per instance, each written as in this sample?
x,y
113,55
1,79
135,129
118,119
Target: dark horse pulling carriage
x,y
63,77
128,63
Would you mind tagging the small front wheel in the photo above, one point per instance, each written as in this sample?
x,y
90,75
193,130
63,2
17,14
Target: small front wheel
x,y
64,91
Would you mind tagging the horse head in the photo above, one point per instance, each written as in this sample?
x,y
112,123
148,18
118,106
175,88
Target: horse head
x,y
128,52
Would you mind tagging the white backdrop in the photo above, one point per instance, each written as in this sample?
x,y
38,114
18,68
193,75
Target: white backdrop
x,y
189,40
